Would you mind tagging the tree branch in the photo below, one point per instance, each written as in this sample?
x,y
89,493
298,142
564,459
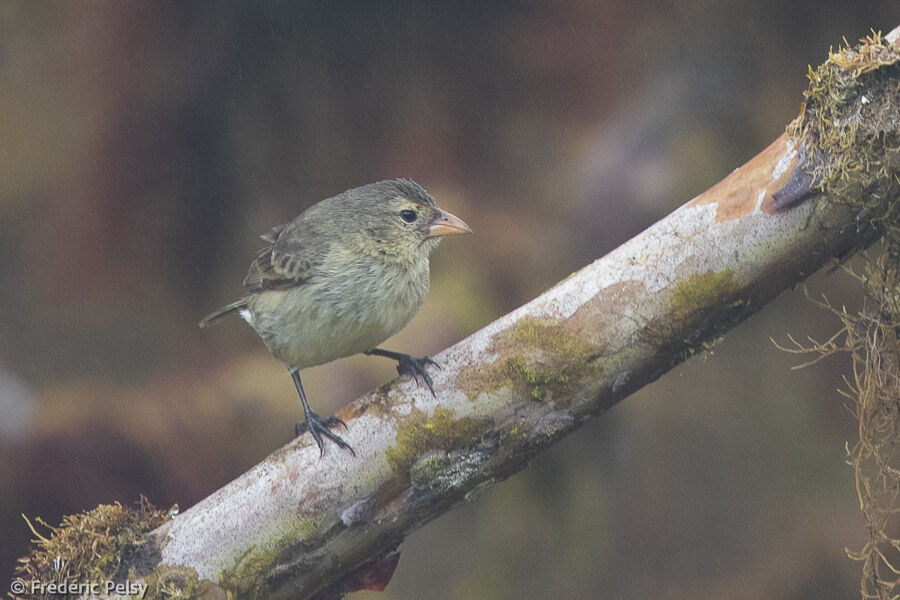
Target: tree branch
x,y
295,524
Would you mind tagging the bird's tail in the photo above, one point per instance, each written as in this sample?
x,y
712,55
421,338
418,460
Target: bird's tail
x,y
213,318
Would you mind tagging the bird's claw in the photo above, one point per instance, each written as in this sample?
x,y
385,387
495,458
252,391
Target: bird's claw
x,y
411,365
318,427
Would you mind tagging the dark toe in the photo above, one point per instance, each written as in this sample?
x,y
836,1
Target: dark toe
x,y
332,420
319,428
416,367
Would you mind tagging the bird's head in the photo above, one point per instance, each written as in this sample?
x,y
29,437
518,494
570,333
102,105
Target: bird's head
x,y
397,220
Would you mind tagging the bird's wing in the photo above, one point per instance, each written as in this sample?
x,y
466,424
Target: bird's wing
x,y
286,261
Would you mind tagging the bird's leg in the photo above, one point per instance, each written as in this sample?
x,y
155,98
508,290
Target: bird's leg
x,y
316,425
409,365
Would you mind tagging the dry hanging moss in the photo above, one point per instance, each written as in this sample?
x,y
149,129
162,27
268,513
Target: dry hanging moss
x,y
870,337
93,546
848,130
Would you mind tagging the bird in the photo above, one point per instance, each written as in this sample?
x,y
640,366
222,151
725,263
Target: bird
x,y
342,277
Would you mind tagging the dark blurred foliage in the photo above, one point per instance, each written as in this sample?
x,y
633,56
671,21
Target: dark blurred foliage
x,y
145,144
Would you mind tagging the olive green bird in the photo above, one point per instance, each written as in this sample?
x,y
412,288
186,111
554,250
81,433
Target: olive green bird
x,y
345,275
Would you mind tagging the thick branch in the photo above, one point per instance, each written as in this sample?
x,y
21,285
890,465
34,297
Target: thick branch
x,y
295,523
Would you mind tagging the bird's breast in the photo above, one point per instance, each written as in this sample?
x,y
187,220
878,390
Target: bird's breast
x,y
338,314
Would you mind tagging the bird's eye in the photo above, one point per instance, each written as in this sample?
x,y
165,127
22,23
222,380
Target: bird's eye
x,y
408,215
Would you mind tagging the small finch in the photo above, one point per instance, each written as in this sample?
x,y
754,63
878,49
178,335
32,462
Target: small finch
x,y
345,275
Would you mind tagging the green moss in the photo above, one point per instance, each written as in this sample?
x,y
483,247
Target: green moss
x,y
553,362
515,436
428,468
536,377
311,529
550,337
701,291
418,434
545,360
247,578
696,318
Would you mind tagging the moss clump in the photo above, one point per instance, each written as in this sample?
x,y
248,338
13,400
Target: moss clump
x,y
419,434
90,545
849,130
849,125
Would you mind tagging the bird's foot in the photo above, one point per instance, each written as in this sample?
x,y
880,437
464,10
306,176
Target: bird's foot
x,y
319,427
409,365
415,367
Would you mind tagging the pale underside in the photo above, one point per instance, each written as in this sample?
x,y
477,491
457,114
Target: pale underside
x,y
339,315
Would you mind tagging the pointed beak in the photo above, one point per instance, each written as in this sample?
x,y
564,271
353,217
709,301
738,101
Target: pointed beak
x,y
446,224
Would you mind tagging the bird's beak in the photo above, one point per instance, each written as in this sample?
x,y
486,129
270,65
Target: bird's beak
x,y
446,224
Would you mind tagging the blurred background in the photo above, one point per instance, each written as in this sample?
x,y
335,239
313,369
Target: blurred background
x,y
145,145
